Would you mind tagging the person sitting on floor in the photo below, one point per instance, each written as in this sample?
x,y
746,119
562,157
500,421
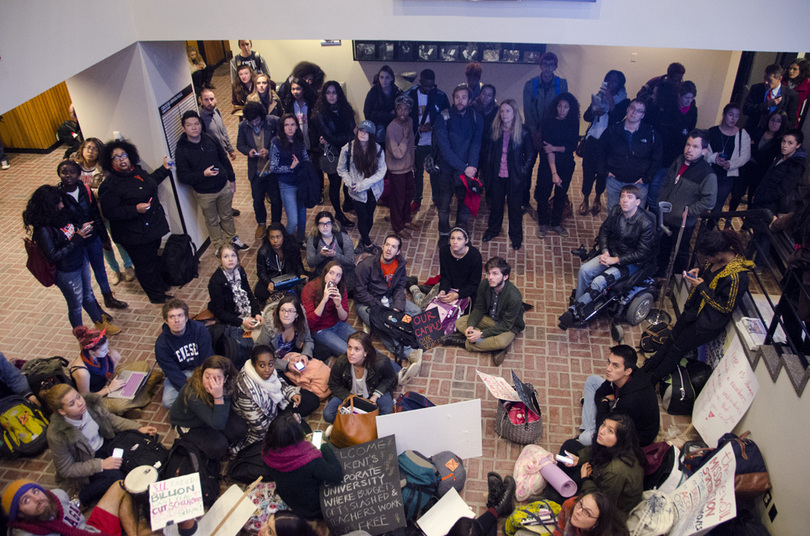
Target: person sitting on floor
x,y
278,255
627,240
591,514
500,502
496,318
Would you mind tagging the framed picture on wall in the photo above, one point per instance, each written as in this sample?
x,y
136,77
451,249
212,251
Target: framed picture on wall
x,y
532,53
405,51
428,52
491,52
470,52
510,53
437,51
365,51
385,51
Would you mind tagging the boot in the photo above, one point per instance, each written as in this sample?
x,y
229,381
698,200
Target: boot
x,y
116,277
112,329
495,487
498,357
129,274
456,339
506,504
112,303
597,205
584,207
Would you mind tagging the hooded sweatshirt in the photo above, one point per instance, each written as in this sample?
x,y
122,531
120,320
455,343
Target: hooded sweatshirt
x,y
176,353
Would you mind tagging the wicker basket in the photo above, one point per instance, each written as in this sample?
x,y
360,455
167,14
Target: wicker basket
x,y
523,434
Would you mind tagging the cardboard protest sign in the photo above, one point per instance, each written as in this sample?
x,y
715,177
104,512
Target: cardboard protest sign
x,y
707,499
726,397
369,496
499,387
428,329
174,500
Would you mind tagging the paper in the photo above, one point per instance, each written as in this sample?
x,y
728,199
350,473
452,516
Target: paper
x,y
499,387
726,397
443,515
174,500
236,520
707,499
454,427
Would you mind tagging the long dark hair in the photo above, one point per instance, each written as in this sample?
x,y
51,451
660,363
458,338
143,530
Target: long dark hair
x,y
322,280
571,120
105,158
298,137
80,151
365,160
41,208
626,448
716,241
342,105
466,526
299,325
239,92
284,431
288,247
316,231
309,93
288,523
365,341
610,521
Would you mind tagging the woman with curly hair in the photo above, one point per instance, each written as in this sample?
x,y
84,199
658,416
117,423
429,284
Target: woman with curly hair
x,y
327,306
129,200
278,255
334,119
560,138
300,102
797,78
202,412
62,243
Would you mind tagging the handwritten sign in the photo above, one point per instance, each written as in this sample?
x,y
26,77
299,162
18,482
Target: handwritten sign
x,y
428,329
727,395
707,498
499,387
176,499
369,497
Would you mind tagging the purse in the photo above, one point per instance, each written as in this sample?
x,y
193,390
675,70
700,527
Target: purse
x,y
353,428
529,431
39,266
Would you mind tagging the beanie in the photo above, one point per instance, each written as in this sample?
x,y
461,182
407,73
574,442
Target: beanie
x,y
13,493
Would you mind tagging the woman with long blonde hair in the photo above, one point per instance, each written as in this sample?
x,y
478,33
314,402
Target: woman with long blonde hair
x,y
263,92
511,154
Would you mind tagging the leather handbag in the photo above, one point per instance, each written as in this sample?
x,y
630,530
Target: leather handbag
x,y
38,264
354,428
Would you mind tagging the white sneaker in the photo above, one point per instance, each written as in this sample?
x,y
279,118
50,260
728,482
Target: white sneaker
x,y
328,432
415,356
405,375
239,244
4,164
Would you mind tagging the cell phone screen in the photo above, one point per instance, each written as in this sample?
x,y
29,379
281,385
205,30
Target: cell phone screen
x,y
317,438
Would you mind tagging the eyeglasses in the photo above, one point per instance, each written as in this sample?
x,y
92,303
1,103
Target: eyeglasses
x,y
288,311
585,511
120,156
635,109
328,222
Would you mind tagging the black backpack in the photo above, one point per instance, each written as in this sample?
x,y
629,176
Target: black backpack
x,y
140,449
178,262
249,465
23,426
43,373
185,459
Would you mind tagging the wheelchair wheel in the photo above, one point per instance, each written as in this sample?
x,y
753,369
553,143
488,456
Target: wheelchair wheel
x,y
639,308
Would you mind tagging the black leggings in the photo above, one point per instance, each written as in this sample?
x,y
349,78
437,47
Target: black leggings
x,y
685,338
365,216
101,482
334,195
590,174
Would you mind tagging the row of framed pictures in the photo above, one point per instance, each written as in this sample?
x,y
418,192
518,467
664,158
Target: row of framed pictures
x,y
440,51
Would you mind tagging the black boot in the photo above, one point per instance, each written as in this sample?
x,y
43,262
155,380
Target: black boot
x,y
495,487
506,504
456,339
112,303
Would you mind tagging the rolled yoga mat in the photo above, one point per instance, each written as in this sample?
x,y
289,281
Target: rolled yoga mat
x,y
558,479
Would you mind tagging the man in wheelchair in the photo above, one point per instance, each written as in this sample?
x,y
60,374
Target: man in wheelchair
x,y
627,240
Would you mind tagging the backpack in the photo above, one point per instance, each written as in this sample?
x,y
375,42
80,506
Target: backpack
x,y
654,337
248,465
670,473
43,373
178,262
410,401
140,449
654,515
185,459
686,384
421,482
23,425
451,472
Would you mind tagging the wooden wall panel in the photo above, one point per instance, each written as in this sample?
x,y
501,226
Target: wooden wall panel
x,y
214,51
33,124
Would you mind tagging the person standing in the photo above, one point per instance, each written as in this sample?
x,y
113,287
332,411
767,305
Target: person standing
x,y
399,158
286,154
729,150
380,100
247,57
203,165
255,136
771,96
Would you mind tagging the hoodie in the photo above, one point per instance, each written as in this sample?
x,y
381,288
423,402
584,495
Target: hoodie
x,y
194,158
176,353
637,399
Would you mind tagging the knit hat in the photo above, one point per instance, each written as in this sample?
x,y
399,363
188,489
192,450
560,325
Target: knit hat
x,y
13,493
88,338
367,126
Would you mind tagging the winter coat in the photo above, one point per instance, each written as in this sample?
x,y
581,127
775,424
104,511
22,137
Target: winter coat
x,y
222,303
120,193
372,286
629,163
380,378
696,189
354,177
194,158
631,239
637,399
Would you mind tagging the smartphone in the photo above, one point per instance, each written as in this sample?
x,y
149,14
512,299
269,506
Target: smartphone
x,y
331,284
299,366
324,249
118,453
317,438
215,169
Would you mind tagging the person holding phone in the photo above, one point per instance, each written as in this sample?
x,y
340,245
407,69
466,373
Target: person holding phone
x,y
327,307
327,242
729,150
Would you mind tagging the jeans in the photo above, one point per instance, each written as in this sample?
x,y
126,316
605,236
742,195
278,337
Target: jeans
x,y
385,403
334,338
419,171
78,293
654,187
170,392
261,187
444,186
506,189
296,211
613,187
365,216
217,209
588,426
95,254
109,256
595,276
393,346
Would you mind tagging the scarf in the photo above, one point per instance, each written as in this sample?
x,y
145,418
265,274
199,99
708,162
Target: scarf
x,y
291,458
240,297
737,265
600,124
56,525
104,367
271,387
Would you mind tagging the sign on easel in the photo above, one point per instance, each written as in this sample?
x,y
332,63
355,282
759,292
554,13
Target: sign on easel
x,y
174,500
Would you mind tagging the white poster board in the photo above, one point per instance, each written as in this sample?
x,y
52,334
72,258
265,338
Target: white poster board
x,y
726,397
443,515
174,500
707,498
235,521
454,427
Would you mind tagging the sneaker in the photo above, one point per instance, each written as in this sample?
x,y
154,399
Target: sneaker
x,y
498,357
239,244
129,274
260,230
542,230
115,278
360,248
405,375
566,320
415,356
411,281
560,230
236,212
372,248
328,432
4,164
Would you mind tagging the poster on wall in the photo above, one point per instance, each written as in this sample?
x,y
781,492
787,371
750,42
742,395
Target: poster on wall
x,y
438,51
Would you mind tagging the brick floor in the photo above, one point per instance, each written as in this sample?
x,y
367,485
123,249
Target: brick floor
x,y
33,319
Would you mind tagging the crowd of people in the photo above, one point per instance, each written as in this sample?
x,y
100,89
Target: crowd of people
x,y
289,345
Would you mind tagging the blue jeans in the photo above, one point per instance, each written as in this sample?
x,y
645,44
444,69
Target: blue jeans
x,y
170,392
78,293
296,212
588,425
385,403
655,187
109,256
613,189
95,254
594,275
334,338
390,344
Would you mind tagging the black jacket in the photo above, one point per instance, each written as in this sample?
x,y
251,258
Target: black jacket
x,y
696,189
631,239
436,102
673,127
66,254
628,163
758,111
371,284
194,158
336,128
222,304
84,210
245,142
380,379
120,193
778,189
637,399
378,108
519,160
267,264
